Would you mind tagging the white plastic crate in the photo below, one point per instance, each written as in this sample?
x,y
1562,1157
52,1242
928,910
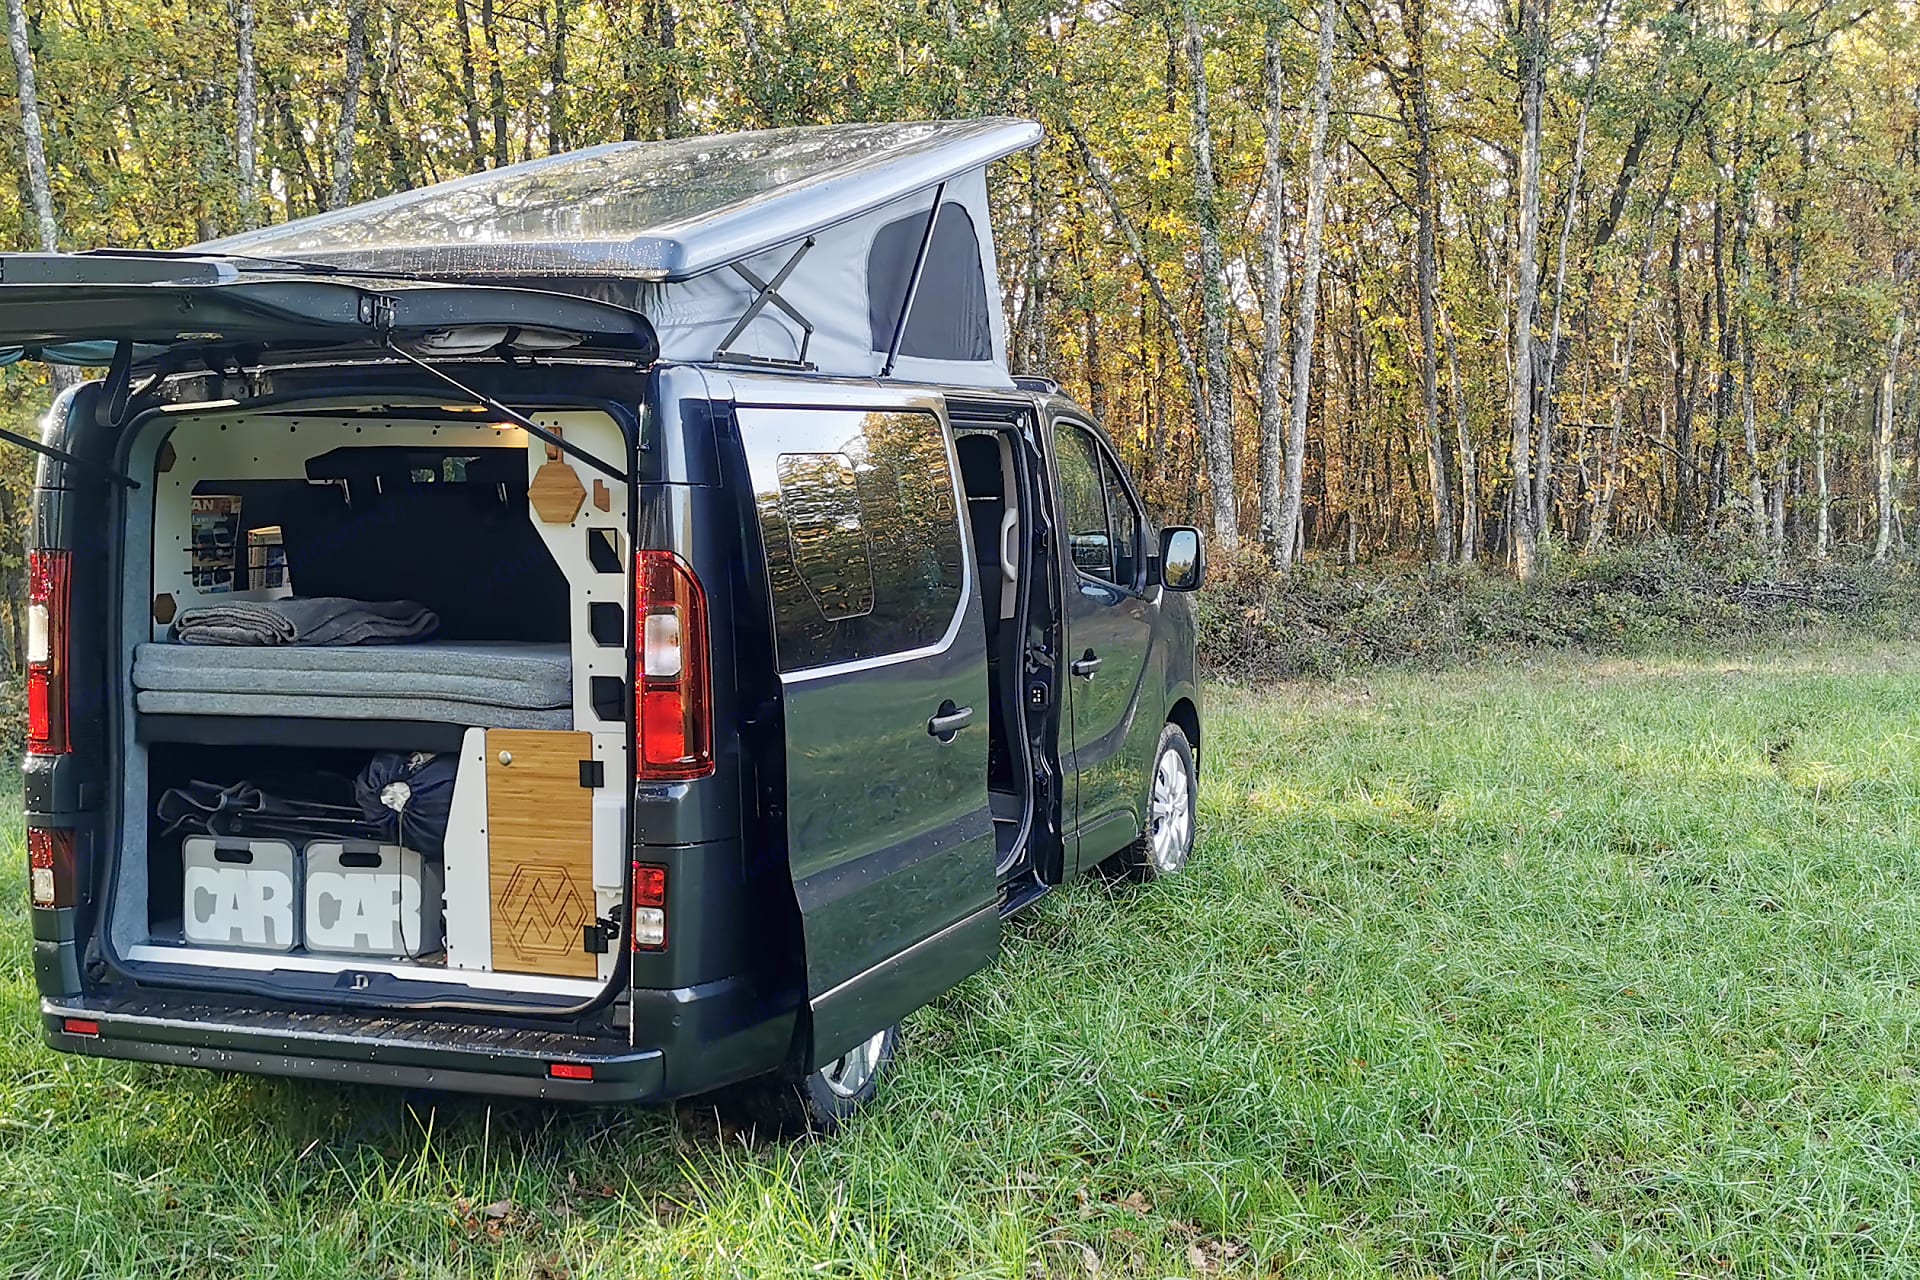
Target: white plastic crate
x,y
371,899
240,893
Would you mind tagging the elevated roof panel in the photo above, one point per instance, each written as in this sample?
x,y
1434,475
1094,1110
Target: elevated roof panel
x,y
649,210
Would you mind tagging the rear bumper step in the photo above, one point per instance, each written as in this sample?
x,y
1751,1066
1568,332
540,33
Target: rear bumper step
x,y
400,1052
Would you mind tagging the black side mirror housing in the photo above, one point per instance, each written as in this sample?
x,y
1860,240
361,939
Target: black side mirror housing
x,y
1183,558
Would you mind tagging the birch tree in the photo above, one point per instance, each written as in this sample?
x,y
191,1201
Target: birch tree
x,y
1273,246
1216,429
1530,40
341,192
1308,313
32,132
246,114
1426,270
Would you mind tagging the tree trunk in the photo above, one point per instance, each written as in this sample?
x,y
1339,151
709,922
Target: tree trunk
x,y
1439,486
1883,442
246,115
1469,454
1273,244
33,136
1823,522
1307,314
1216,429
496,82
670,106
33,142
1531,39
469,90
342,192
559,127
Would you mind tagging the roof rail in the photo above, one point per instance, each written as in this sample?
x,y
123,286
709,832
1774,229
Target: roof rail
x,y
1037,384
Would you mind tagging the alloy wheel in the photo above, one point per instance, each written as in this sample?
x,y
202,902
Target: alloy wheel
x,y
1170,814
849,1073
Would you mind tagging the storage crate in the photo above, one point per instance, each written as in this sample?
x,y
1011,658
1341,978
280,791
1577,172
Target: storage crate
x,y
240,893
371,899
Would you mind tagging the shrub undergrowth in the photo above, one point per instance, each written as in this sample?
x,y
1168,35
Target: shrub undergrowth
x,y
1325,620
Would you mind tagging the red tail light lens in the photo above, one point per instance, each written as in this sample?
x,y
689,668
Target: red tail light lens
x,y
80,1026
47,607
570,1070
50,866
649,907
673,720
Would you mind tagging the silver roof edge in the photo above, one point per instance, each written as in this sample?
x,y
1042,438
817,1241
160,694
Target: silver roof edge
x,y
640,210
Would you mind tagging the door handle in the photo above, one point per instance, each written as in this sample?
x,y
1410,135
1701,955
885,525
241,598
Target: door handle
x,y
1087,665
949,720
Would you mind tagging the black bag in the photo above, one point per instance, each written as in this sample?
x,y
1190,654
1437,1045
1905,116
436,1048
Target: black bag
x,y
406,798
244,810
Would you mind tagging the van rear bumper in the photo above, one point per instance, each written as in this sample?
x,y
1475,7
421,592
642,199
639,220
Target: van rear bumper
x,y
354,1049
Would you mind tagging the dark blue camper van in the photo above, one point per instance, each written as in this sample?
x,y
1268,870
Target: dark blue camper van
x,y
607,628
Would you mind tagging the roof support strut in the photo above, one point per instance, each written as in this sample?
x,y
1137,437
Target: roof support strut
x,y
514,416
913,283
768,294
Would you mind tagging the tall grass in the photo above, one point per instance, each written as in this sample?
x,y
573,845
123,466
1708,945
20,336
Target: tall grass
x,y
1585,967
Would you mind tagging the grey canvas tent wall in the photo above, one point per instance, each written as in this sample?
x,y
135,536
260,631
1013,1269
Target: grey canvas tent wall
x,y
691,232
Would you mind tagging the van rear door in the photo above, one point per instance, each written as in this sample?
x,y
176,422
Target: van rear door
x,y
173,311
883,679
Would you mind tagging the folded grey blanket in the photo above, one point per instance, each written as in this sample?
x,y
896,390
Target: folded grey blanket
x,y
319,620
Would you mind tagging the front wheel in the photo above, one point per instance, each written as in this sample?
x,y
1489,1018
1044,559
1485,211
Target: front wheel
x,y
1167,842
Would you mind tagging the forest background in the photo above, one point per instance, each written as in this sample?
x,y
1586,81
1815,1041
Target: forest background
x,y
1614,293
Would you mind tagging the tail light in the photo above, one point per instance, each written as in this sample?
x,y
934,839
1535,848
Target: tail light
x,y
673,713
47,603
649,907
50,866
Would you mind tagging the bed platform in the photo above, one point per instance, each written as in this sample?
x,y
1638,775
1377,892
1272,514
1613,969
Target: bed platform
x,y
488,685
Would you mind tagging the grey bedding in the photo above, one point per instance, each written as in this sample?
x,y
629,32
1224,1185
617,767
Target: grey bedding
x,y
477,715
466,682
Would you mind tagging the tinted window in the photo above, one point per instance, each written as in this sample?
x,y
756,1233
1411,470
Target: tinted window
x,y
1123,524
1083,501
861,533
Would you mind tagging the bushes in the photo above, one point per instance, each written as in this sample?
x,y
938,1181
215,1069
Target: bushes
x,y
1328,620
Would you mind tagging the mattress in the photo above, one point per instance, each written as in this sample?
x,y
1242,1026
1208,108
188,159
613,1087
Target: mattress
x,y
500,685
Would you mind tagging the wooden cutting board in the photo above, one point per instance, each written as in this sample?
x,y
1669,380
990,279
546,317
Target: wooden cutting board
x,y
540,852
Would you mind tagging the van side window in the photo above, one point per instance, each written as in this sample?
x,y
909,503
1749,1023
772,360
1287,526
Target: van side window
x,y
861,531
1083,498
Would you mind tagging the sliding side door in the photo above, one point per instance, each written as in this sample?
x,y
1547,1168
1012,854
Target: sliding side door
x,y
883,676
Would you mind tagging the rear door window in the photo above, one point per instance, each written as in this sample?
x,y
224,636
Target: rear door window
x,y
861,530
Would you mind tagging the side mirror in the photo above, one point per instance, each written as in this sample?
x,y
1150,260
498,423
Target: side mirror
x,y
1183,558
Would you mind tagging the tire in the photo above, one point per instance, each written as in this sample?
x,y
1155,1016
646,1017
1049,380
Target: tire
x,y
1173,789
819,1103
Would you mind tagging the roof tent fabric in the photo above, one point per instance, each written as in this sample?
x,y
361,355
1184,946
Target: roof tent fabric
x,y
950,314
668,228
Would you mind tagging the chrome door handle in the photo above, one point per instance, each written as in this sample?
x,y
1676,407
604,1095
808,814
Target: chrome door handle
x,y
949,720
1087,665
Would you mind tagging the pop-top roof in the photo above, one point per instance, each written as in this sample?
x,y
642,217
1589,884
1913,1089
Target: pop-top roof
x,y
647,210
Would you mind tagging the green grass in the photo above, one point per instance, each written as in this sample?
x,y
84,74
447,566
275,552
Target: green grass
x,y
1581,967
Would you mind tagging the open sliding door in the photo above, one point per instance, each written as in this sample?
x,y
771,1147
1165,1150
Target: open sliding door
x,y
883,677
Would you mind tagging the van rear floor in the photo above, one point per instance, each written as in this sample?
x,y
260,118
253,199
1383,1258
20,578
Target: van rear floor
x,y
1578,965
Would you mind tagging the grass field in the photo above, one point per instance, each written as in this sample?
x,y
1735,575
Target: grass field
x,y
1585,968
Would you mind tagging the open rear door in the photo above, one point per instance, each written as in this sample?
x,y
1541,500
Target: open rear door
x,y
169,312
883,676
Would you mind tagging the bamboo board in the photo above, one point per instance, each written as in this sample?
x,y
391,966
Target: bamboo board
x,y
540,852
